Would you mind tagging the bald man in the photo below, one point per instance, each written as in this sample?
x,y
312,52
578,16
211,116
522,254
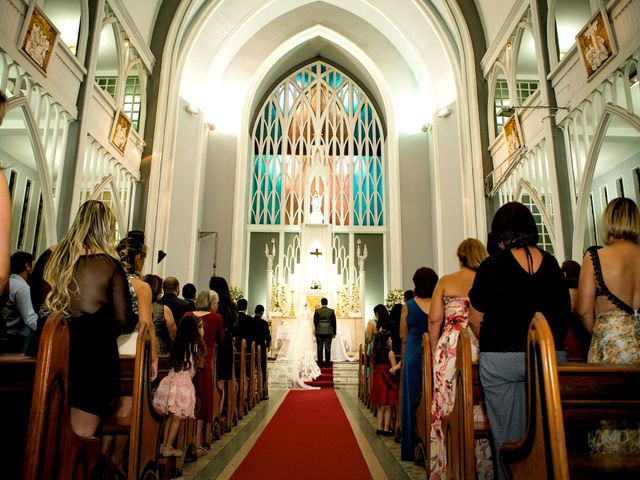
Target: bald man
x,y
178,306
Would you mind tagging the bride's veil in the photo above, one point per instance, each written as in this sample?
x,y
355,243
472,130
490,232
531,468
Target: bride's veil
x,y
299,354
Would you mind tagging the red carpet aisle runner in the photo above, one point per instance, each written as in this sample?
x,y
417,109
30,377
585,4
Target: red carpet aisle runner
x,y
325,380
308,438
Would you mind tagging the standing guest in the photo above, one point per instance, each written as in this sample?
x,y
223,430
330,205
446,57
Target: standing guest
x,y
85,281
263,340
163,321
19,317
578,339
509,288
383,320
245,324
608,303
206,312
176,394
450,304
189,294
226,309
394,326
414,320
384,387
370,332
408,295
324,320
178,306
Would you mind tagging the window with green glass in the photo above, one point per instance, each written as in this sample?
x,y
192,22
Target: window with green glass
x,y
108,84
132,100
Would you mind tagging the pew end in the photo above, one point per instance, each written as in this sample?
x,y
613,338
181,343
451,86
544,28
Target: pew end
x,y
423,412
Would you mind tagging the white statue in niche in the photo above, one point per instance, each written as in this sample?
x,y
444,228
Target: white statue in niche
x,y
316,216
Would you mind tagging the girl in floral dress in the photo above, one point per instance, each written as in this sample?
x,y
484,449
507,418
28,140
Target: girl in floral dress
x,y
176,395
450,304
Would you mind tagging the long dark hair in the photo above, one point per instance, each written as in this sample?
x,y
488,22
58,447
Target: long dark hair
x,y
381,311
226,307
188,345
380,351
425,280
513,226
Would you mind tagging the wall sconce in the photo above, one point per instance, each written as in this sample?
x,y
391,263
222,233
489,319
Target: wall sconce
x,y
192,109
443,112
210,126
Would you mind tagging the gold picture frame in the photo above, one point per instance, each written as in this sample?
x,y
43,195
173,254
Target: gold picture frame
x,y
39,39
120,131
595,43
513,134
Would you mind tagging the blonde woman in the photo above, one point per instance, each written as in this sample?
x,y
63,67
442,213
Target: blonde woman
x,y
87,283
450,304
608,303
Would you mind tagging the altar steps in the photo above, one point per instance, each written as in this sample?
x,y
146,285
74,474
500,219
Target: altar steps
x,y
325,380
345,375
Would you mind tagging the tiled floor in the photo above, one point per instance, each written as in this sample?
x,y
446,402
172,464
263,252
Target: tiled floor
x,y
381,453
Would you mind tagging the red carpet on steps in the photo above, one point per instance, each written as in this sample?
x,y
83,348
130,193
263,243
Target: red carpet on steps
x,y
308,438
325,380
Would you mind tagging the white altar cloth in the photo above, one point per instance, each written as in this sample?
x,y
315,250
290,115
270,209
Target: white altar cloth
x,y
340,345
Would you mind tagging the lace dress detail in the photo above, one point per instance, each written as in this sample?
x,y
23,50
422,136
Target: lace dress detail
x,y
456,311
176,394
615,339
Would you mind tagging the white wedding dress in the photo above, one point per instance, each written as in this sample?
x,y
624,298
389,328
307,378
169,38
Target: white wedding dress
x,y
300,354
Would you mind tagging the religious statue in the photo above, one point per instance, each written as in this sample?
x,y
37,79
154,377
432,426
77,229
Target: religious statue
x,y
316,214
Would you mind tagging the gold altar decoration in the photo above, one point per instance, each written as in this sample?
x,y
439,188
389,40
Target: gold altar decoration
x,y
279,299
348,301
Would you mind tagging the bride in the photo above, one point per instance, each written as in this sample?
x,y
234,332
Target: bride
x,y
299,356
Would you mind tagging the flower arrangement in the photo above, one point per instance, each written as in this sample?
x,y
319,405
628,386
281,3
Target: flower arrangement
x,y
236,293
315,285
394,296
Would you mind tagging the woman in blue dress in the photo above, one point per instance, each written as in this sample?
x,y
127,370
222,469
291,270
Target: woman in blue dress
x,y
413,324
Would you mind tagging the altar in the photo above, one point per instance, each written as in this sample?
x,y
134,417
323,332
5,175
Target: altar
x,y
341,346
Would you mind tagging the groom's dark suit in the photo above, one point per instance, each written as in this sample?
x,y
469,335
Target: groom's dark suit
x,y
324,320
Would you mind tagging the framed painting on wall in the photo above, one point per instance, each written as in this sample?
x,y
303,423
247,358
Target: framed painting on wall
x,y
595,43
120,131
39,39
513,134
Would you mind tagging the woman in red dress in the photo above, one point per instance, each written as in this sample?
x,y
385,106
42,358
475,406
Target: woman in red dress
x,y
384,387
206,309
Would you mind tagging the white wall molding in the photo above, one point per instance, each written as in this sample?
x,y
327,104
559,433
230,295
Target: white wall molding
x,y
135,36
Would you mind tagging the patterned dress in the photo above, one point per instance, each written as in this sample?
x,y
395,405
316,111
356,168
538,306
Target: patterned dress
x,y
616,339
456,311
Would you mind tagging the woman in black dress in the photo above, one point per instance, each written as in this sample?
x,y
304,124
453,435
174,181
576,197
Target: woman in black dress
x,y
87,283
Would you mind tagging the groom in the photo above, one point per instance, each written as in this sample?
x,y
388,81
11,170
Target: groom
x,y
324,320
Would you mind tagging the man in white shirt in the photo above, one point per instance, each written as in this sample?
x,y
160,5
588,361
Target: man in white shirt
x,y
19,317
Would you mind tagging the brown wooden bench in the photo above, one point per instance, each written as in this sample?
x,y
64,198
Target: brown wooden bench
x,y
240,371
17,374
250,358
572,398
213,431
361,373
459,429
53,450
423,411
260,384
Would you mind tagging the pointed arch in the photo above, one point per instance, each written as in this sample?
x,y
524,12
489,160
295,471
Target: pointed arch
x,y
498,68
108,183
524,85
525,187
579,220
41,165
134,99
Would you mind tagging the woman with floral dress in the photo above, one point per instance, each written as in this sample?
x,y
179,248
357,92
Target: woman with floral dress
x,y
450,303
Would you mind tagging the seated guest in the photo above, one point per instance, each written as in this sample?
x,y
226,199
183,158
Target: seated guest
x,y
163,321
509,288
414,320
263,340
384,387
608,303
206,313
189,294
88,284
245,325
19,317
394,326
178,306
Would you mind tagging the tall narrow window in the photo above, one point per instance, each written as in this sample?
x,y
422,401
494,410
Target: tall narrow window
x,y
544,238
13,178
604,197
620,187
24,215
636,182
501,100
593,229
36,233
132,100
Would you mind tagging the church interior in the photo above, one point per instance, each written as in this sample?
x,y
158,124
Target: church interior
x,y
305,160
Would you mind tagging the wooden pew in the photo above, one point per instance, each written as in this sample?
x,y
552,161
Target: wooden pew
x,y
213,431
423,412
265,386
361,370
251,358
145,424
259,380
231,402
572,396
241,374
187,441
53,450
17,374
459,428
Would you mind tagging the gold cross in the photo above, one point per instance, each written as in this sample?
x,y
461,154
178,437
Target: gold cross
x,y
317,253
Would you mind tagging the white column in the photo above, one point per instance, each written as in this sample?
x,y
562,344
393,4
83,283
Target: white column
x,y
270,256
